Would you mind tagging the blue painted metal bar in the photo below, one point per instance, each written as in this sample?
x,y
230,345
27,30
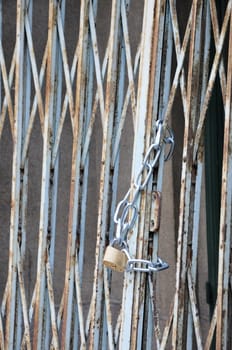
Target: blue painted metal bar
x,y
39,335
225,215
109,92
16,178
105,176
75,177
22,317
128,336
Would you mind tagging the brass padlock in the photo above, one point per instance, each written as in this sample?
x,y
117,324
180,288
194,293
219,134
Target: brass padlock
x,y
115,259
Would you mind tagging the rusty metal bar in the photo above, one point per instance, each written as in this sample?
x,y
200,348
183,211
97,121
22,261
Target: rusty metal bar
x,y
22,316
75,177
16,174
197,194
96,58
105,176
79,304
55,339
64,110
112,90
219,46
34,108
111,341
131,85
34,68
111,336
50,324
215,27
124,111
128,337
225,216
6,87
65,59
212,327
5,104
160,100
178,47
180,59
39,335
192,323
178,340
24,309
195,314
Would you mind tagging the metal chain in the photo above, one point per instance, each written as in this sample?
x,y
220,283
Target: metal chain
x,y
143,265
126,211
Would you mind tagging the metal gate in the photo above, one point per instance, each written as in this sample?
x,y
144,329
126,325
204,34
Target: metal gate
x,y
90,92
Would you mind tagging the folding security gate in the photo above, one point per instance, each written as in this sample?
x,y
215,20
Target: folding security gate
x,y
90,93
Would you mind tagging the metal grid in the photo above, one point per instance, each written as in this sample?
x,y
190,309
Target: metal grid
x,y
111,88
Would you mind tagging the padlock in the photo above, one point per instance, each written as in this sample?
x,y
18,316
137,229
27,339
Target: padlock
x,y
115,259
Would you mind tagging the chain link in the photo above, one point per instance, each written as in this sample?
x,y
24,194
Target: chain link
x,y
126,211
142,265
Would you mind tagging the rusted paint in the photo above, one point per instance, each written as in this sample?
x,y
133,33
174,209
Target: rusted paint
x,y
150,99
128,58
75,178
225,216
178,339
134,285
34,108
41,311
180,59
7,88
96,316
34,70
215,26
155,211
212,77
195,311
15,190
